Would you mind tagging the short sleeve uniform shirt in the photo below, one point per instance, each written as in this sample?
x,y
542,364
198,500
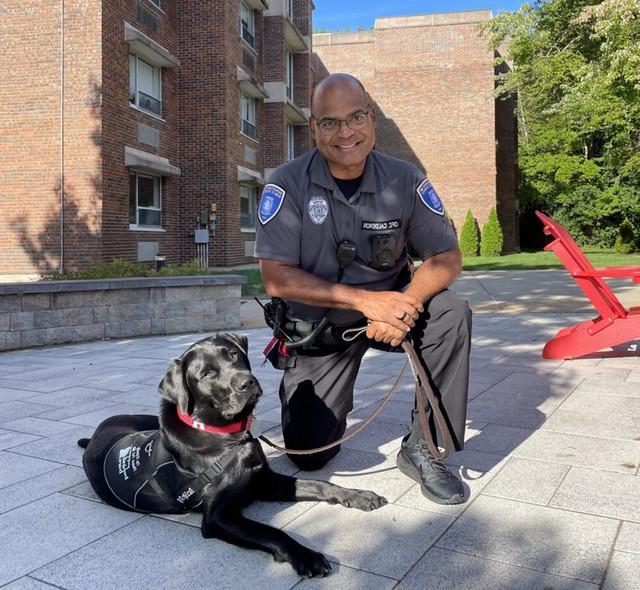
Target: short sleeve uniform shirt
x,y
303,216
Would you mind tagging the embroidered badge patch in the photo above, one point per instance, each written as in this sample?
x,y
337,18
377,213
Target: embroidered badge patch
x,y
270,202
430,198
318,209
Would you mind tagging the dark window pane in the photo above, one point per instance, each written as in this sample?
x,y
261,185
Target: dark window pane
x,y
132,199
146,192
149,217
148,103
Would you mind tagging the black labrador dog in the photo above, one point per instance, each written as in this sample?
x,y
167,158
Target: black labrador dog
x,y
198,455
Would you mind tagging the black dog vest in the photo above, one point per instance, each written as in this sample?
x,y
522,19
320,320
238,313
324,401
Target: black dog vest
x,y
142,474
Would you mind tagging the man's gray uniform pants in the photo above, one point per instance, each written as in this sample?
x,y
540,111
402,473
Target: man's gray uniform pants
x,y
317,393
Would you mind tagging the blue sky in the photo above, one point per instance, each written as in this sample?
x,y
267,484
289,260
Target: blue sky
x,y
338,14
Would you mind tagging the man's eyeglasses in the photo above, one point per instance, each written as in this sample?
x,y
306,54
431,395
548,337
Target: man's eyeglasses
x,y
356,121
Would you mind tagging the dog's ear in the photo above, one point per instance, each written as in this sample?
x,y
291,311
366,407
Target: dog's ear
x,y
174,388
240,341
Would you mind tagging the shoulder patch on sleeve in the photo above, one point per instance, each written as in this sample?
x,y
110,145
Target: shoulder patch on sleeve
x,y
429,197
270,202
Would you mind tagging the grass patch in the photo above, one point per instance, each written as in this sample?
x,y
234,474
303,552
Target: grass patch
x,y
253,286
541,260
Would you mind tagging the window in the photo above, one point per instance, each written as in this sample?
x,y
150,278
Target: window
x,y
145,200
288,73
248,116
247,24
158,3
247,207
291,145
290,9
145,85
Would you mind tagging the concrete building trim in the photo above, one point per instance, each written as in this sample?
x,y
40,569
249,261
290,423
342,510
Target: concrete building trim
x,y
146,47
141,161
260,5
323,39
249,86
248,176
433,19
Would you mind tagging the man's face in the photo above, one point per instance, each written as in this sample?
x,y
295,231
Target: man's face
x,y
345,149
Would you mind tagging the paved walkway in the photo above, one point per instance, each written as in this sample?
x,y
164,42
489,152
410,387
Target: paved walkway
x,y
551,469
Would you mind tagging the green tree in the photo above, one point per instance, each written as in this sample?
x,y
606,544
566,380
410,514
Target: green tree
x,y
575,73
470,236
625,242
492,238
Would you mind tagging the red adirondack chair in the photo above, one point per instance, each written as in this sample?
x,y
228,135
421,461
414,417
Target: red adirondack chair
x,y
614,325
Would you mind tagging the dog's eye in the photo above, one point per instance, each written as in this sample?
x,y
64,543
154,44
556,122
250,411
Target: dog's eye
x,y
233,354
209,373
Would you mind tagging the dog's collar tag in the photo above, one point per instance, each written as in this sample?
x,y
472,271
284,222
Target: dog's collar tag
x,y
233,428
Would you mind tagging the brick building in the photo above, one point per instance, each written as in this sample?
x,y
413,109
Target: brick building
x,y
125,125
431,78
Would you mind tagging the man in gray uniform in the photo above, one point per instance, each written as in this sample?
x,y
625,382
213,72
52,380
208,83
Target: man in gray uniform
x,y
345,196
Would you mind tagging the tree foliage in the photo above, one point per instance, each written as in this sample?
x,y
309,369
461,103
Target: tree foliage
x,y
625,242
574,68
492,237
470,236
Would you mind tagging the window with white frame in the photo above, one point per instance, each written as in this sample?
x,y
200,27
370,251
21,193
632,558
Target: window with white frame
x,y
145,85
290,9
248,116
247,206
145,200
288,73
291,144
158,3
247,24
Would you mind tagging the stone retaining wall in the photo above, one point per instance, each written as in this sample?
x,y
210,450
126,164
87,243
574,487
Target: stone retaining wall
x,y
54,312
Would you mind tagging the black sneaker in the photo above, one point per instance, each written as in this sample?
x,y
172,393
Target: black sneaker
x,y
436,481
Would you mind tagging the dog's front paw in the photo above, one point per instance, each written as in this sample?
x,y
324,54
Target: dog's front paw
x,y
364,500
310,564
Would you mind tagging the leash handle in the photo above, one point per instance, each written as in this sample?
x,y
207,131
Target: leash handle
x,y
422,386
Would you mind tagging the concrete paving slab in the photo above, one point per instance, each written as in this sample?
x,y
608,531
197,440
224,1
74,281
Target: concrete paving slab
x,y
61,448
387,541
384,437
9,438
346,578
39,486
622,456
15,468
28,583
94,418
607,385
155,553
629,538
42,532
76,409
553,541
593,414
591,491
9,395
527,481
623,572
448,570
498,439
18,409
38,426
74,396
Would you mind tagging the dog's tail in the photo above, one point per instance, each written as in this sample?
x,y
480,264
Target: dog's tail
x,y
83,442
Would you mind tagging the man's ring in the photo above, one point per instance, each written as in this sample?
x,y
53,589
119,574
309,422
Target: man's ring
x,y
403,317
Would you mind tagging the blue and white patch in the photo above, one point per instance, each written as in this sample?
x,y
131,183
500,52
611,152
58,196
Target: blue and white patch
x,y
430,198
270,202
318,209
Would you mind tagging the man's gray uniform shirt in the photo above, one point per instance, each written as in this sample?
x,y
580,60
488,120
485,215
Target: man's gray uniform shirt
x,y
303,216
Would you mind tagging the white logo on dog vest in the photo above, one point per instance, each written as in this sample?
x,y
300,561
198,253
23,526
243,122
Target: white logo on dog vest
x,y
318,209
184,496
128,459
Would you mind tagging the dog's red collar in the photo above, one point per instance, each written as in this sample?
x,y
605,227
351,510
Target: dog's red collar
x,y
233,428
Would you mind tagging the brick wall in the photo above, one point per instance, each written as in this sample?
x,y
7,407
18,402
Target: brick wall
x,y
120,128
432,84
30,132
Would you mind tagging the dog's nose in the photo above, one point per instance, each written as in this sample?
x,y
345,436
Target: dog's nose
x,y
244,383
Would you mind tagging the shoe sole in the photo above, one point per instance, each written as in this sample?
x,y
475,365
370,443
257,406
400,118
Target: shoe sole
x,y
410,471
